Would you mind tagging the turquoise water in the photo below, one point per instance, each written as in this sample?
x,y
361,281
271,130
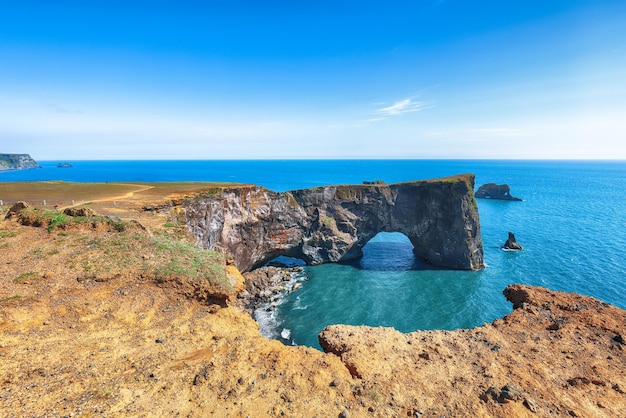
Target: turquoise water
x,y
572,224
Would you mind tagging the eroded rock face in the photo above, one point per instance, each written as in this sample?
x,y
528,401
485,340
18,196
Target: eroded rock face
x,y
333,223
15,209
80,211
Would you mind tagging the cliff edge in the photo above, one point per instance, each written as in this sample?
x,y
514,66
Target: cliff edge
x,y
333,223
557,354
17,162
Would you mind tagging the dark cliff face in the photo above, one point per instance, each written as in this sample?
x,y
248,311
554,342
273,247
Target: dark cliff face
x,y
333,223
17,162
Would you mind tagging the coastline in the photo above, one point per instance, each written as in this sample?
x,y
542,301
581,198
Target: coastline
x,y
266,289
126,345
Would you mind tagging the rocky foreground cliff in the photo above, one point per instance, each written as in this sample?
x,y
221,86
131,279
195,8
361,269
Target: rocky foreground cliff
x,y
83,332
125,345
17,162
333,223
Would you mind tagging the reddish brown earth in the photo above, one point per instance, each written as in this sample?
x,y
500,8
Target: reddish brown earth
x,y
127,346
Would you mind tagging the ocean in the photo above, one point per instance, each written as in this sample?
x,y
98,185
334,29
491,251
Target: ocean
x,y
571,223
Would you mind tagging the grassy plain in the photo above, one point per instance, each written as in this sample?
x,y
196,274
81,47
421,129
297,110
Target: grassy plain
x,y
63,193
122,200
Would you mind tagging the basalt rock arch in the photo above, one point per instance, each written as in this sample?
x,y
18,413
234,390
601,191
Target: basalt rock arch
x,y
333,223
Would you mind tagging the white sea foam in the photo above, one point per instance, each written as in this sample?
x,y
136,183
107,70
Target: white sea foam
x,y
297,306
266,316
285,334
267,322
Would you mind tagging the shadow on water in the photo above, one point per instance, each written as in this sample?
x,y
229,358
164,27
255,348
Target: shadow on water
x,y
389,256
387,287
389,251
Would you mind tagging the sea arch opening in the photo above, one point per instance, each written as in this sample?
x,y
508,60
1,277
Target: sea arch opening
x,y
285,261
388,251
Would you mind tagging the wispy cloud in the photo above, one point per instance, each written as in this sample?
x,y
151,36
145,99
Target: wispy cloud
x,y
500,132
386,111
403,106
481,133
58,109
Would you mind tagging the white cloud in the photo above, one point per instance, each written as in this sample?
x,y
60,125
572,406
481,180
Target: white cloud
x,y
375,119
499,132
478,133
399,108
59,109
403,106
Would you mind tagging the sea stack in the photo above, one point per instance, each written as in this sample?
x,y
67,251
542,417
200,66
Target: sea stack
x,y
496,192
511,243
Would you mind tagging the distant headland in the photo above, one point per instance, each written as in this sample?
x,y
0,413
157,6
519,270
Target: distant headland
x,y
17,162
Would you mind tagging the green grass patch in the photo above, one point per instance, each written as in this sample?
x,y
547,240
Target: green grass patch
x,y
375,396
55,220
26,276
292,201
176,258
162,257
11,298
59,221
211,192
38,253
7,234
327,221
126,249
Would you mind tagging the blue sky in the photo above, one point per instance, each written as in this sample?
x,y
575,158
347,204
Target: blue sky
x,y
324,79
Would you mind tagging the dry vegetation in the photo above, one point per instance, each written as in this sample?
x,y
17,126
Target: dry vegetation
x,y
100,320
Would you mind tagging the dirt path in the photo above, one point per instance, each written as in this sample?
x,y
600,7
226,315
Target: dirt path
x,y
141,188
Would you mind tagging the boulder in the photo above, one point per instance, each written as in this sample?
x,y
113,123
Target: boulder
x,y
87,212
496,192
15,209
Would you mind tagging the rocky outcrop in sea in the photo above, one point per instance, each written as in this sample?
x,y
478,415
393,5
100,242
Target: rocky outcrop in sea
x,y
511,243
496,192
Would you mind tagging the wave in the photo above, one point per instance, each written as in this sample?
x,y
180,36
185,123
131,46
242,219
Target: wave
x,y
267,317
285,334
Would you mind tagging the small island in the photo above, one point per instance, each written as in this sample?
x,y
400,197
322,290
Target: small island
x,y
64,164
496,192
17,162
